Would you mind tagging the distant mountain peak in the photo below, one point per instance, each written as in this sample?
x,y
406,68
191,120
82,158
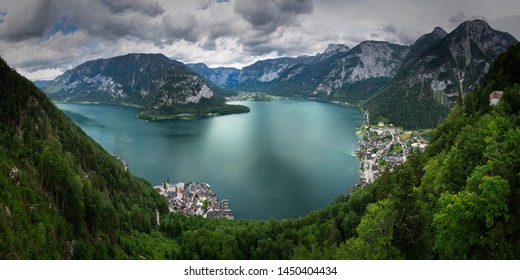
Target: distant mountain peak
x,y
438,69
475,23
370,45
439,32
336,48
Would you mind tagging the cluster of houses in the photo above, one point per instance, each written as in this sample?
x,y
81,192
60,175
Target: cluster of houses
x,y
194,199
385,147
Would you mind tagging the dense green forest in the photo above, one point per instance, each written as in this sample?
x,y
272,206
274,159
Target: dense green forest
x,y
62,196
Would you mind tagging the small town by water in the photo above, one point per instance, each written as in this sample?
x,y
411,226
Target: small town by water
x,y
194,199
383,147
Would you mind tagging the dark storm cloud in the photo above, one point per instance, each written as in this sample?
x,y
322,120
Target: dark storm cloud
x,y
106,19
267,16
56,34
182,26
28,21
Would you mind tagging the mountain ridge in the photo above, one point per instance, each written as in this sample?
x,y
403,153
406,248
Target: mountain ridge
x,y
162,87
450,66
411,86
394,83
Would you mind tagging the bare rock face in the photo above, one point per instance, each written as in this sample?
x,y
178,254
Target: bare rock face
x,y
140,79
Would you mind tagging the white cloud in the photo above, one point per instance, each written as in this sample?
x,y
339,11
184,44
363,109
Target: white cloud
x,y
220,32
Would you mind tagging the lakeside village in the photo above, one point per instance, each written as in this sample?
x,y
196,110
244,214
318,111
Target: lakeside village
x,y
191,199
383,147
194,199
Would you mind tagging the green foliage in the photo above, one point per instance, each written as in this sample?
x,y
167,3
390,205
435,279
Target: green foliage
x,y
375,234
62,196
59,189
465,219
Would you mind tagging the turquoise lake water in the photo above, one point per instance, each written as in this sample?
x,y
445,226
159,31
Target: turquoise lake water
x,y
282,160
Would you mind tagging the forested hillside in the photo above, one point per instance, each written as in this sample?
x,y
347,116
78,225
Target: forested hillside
x,y
460,199
61,194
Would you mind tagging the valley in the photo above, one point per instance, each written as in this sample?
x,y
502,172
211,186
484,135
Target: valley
x,y
439,151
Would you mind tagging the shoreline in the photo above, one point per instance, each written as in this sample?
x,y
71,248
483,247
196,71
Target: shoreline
x,y
128,105
147,116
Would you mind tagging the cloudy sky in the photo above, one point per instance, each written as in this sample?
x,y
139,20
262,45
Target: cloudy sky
x,y
44,38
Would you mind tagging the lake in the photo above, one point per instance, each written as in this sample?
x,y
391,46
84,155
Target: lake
x,y
282,160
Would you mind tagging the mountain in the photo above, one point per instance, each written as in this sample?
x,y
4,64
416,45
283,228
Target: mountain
x,y
343,74
338,73
225,77
332,49
422,44
412,86
439,70
256,77
262,74
162,87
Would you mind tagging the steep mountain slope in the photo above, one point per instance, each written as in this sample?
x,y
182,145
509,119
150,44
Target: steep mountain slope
x,y
421,45
161,86
225,77
255,77
429,84
61,194
339,73
263,73
331,49
349,75
42,83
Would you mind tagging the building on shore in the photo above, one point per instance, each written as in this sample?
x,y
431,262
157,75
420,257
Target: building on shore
x,y
194,199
